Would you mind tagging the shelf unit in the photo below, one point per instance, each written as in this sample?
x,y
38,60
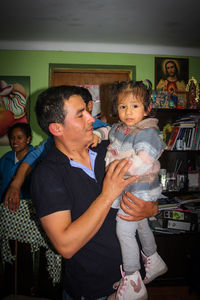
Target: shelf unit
x,y
190,159
178,250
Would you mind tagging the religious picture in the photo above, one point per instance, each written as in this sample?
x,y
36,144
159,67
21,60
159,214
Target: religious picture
x,y
171,74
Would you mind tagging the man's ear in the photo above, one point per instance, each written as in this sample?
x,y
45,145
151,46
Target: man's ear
x,y
55,129
90,106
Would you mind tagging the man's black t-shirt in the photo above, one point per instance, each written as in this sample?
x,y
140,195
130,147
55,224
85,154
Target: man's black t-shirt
x,y
56,186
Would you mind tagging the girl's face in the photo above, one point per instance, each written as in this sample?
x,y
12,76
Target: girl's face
x,y
18,140
130,110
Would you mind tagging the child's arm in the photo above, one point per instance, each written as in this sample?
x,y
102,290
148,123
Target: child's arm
x,y
99,135
95,141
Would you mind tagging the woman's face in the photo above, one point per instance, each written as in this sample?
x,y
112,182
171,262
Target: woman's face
x,y
18,140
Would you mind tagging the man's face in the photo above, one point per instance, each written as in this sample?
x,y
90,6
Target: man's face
x,y
78,123
171,69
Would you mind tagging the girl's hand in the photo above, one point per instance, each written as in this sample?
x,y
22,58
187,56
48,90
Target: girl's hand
x,y
95,141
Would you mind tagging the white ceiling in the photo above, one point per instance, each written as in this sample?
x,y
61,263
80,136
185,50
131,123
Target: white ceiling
x,y
170,27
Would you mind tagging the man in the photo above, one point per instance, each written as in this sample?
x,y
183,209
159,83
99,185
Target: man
x,y
172,81
73,196
12,199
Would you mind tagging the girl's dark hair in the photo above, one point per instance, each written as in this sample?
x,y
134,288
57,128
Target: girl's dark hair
x,y
141,89
25,127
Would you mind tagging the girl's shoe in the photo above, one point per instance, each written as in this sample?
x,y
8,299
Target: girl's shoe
x,y
154,267
131,287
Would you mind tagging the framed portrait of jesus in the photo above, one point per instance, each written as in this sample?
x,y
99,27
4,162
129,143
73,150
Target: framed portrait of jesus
x,y
171,74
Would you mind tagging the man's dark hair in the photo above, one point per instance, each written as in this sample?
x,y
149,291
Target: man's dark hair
x,y
50,105
25,127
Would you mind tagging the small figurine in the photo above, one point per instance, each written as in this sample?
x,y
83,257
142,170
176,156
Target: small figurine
x,y
192,90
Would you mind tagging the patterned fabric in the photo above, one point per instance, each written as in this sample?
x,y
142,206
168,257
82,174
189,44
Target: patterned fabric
x,y
23,226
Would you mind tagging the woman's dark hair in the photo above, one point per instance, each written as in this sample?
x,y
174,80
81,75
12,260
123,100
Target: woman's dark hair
x,y
141,89
25,127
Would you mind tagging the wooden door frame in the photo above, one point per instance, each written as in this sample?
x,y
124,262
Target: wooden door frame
x,y
105,75
88,68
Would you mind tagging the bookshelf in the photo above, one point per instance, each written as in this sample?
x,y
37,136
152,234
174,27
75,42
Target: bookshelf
x,y
181,158
178,248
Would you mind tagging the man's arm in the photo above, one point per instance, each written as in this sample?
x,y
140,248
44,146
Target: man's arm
x,y
68,237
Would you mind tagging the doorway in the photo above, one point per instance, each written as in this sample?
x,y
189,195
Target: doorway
x,y
96,75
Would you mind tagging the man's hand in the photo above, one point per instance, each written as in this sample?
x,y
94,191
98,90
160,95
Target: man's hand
x,y
138,209
114,182
12,198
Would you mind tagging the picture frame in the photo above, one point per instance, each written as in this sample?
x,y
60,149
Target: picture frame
x,y
171,73
14,103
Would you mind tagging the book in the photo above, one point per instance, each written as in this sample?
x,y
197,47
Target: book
x,y
173,144
181,220
184,124
187,125
185,138
179,215
198,141
189,138
181,225
189,118
179,141
192,138
172,137
193,143
196,145
167,203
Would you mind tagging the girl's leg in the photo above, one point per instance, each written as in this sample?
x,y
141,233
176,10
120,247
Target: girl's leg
x,y
130,251
153,263
146,238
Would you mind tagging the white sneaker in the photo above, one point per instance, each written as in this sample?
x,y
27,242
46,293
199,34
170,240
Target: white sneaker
x,y
131,287
154,267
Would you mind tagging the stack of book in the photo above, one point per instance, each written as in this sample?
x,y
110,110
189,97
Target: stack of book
x,y
177,215
185,134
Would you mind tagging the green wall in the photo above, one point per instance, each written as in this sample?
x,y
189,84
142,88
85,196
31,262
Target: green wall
x,y
36,65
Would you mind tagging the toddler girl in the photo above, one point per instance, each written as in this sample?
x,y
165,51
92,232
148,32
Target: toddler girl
x,y
136,136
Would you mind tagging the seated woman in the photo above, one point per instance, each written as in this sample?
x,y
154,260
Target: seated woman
x,y
19,136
